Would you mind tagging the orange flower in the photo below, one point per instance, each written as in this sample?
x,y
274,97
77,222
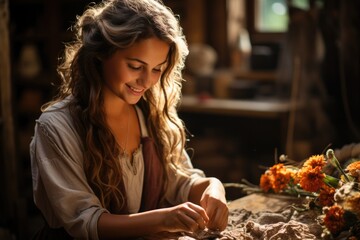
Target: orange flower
x,y
276,178
315,161
265,182
334,219
281,177
311,179
326,197
354,169
311,176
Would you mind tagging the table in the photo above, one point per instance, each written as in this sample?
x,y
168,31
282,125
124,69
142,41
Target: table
x,y
266,108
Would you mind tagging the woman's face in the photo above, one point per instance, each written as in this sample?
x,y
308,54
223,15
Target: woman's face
x,y
128,73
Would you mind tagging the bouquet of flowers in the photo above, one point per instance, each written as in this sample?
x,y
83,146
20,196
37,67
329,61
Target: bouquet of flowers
x,y
336,196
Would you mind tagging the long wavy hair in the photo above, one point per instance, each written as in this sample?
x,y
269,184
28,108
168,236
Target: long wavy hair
x,y
100,31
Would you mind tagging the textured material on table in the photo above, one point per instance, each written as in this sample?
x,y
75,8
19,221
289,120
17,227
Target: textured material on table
x,y
265,217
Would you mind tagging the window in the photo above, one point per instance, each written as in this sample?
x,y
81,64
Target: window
x,y
271,16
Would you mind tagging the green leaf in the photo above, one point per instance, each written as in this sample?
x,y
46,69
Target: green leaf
x,y
331,181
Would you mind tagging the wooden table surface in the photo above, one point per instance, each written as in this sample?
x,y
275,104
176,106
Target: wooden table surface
x,y
236,107
258,202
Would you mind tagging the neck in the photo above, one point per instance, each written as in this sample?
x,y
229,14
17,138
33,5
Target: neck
x,y
114,105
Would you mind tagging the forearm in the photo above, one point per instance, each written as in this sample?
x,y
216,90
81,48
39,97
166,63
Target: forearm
x,y
209,193
111,226
199,187
186,217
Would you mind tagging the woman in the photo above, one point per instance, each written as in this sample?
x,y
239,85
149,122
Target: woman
x,y
108,159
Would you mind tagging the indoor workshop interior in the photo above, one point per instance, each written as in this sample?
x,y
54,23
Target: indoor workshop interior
x,y
263,78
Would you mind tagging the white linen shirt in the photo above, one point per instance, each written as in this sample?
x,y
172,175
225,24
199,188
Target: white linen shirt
x,y
60,187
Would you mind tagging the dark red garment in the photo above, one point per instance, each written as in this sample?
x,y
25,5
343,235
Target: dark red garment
x,y
153,176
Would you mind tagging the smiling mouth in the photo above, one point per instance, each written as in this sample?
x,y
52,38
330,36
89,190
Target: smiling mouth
x,y
136,90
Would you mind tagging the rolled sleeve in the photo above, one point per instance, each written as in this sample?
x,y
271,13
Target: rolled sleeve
x,y
179,184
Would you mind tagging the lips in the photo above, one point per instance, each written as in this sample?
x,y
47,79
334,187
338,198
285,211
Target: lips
x,y
136,90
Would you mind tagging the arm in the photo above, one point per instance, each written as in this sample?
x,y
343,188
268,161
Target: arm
x,y
186,217
209,193
60,188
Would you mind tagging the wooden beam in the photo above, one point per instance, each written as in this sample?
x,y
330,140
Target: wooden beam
x,y
8,165
216,30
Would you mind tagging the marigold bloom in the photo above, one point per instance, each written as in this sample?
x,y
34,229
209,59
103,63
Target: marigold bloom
x,y
275,169
281,177
280,183
334,219
354,169
311,176
311,179
315,161
276,178
326,196
265,182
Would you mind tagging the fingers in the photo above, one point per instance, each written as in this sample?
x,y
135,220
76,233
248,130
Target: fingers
x,y
191,221
218,214
191,217
218,219
201,211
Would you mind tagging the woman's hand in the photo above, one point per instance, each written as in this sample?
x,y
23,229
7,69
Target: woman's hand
x,y
207,208
214,202
209,193
186,217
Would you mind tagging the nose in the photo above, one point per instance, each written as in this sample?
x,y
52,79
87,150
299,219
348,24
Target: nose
x,y
146,80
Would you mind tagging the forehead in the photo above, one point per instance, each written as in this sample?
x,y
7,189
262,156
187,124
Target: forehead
x,y
151,51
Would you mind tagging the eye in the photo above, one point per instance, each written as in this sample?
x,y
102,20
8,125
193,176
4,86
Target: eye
x,y
157,70
134,67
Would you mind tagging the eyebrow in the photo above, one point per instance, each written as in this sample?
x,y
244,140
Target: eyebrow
x,y
138,60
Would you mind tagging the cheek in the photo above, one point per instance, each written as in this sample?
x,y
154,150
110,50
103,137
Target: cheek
x,y
123,76
156,78
117,75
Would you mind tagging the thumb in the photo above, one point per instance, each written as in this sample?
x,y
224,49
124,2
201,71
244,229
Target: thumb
x,y
204,201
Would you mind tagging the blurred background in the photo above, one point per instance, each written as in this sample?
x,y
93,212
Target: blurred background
x,y
263,78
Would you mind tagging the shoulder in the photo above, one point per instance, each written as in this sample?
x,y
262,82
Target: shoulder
x,y
56,120
56,129
58,112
